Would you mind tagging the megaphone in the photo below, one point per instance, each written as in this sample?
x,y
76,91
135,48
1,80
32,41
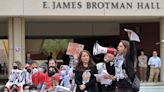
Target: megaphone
x,y
97,49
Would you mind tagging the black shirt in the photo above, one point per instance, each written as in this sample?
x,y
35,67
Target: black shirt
x,y
111,70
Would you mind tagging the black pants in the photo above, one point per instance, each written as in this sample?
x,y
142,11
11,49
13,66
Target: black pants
x,y
126,90
108,89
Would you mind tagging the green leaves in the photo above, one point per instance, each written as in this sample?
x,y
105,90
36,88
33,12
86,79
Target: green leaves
x,y
55,46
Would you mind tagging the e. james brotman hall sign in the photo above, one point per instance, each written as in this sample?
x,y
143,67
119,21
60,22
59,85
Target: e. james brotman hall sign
x,y
108,4
82,7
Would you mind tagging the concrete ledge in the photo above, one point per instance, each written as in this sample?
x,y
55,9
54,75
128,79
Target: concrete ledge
x,y
152,84
152,87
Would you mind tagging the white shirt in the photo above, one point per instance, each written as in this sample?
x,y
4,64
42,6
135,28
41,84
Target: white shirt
x,y
102,71
28,77
154,62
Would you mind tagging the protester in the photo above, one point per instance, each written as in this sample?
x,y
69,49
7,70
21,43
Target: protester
x,y
43,80
52,63
17,65
85,64
35,74
17,76
28,69
65,80
51,78
72,65
124,65
107,69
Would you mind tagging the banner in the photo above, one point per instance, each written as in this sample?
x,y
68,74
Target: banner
x,y
74,49
16,77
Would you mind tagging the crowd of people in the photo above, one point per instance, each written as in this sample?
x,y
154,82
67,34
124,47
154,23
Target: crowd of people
x,y
81,75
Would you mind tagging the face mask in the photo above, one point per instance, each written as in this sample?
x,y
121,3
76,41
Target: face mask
x,y
51,73
40,69
35,71
15,67
29,70
63,73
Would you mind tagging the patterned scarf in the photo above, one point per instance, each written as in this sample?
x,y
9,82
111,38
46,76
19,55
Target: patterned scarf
x,y
120,73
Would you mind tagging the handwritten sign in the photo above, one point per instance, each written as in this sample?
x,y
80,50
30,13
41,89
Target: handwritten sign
x,y
16,77
74,49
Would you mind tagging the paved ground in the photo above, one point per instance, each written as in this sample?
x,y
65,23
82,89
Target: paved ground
x,y
145,87
152,89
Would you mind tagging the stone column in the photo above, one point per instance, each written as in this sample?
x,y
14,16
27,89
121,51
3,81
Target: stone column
x,y
162,48
16,34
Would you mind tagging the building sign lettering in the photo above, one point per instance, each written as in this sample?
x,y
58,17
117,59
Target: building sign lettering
x,y
99,5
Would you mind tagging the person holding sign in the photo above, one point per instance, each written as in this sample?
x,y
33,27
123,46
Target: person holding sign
x,y
17,76
84,64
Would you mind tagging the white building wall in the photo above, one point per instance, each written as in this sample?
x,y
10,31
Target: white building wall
x,y
46,8
11,7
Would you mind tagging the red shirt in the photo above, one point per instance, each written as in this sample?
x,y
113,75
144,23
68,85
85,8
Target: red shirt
x,y
48,81
57,78
35,79
44,78
41,77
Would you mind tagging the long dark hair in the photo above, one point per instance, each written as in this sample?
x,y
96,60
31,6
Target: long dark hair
x,y
80,66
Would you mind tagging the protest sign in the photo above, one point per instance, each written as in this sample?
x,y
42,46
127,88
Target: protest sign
x,y
16,77
74,49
